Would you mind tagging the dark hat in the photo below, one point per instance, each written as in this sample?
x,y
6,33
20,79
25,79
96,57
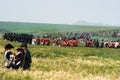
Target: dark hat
x,y
9,46
20,49
24,45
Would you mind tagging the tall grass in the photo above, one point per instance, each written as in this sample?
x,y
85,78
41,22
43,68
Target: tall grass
x,y
65,63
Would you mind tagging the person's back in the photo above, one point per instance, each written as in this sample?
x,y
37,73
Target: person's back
x,y
27,57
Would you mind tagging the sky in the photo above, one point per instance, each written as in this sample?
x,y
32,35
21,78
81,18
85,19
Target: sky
x,y
61,11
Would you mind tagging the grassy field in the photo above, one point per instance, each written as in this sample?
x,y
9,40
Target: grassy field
x,y
65,63
20,27
61,63
42,28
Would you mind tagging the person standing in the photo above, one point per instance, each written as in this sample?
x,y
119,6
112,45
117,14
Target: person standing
x,y
27,57
18,59
8,56
33,41
102,43
38,40
97,44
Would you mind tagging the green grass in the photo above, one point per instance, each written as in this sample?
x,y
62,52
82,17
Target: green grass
x,y
19,27
62,63
42,28
65,63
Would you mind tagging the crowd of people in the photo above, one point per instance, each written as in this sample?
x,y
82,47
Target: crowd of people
x,y
74,42
110,33
18,37
68,39
20,59
102,44
62,39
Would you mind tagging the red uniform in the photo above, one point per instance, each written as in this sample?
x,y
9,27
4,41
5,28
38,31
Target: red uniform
x,y
64,43
42,41
47,41
38,40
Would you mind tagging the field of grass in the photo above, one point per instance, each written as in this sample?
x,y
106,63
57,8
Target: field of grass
x,y
61,63
42,28
65,63
20,27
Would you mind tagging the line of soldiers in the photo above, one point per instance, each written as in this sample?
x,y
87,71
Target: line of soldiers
x,y
55,41
112,44
63,41
60,39
102,44
93,43
110,33
18,37
21,37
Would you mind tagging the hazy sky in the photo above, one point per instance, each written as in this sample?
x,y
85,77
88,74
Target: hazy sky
x,y
61,11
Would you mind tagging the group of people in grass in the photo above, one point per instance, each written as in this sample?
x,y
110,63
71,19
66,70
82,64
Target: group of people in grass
x,y
109,33
88,42
102,44
55,41
20,59
18,37
63,39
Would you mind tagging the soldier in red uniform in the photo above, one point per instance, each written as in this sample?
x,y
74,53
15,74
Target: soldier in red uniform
x,y
91,43
38,40
64,42
58,43
43,41
87,43
47,41
71,42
